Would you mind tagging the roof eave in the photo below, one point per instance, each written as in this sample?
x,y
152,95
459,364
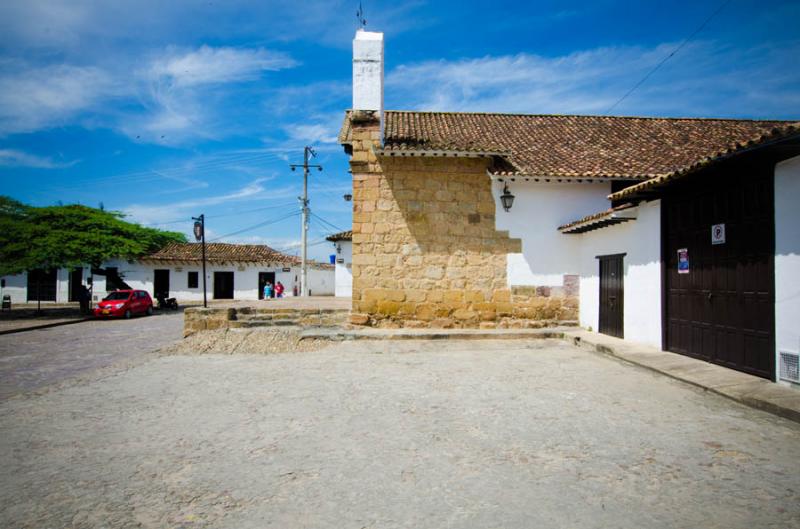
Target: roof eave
x,y
597,221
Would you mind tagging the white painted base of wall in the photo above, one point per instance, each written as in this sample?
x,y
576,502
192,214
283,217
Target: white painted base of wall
x,y
787,258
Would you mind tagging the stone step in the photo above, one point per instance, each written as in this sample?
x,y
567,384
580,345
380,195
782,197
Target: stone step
x,y
246,324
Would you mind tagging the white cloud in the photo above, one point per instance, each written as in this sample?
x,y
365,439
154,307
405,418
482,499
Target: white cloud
x,y
15,158
311,134
704,79
208,65
253,191
36,98
172,97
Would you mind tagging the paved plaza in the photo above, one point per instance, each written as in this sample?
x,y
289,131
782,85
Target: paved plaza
x,y
512,434
36,359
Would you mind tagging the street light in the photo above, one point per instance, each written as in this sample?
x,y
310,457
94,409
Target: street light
x,y
200,235
507,198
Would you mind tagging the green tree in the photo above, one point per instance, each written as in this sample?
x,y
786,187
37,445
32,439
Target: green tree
x,y
72,235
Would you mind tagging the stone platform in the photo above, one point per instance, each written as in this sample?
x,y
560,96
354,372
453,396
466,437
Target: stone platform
x,y
315,311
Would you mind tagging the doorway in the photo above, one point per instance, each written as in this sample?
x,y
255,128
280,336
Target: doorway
x,y
75,283
719,240
612,294
42,285
263,277
223,285
160,283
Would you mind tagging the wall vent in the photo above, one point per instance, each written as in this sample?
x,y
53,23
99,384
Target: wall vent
x,y
790,367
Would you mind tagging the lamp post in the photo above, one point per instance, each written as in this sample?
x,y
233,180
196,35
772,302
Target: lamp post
x,y
507,199
200,235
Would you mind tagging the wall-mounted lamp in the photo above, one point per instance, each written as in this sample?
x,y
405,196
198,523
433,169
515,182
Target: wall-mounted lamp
x,y
507,198
348,197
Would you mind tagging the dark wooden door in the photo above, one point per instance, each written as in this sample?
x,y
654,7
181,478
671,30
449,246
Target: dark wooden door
x,y
160,283
720,309
612,293
75,284
223,285
42,285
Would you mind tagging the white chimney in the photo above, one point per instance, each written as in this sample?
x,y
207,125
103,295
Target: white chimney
x,y
368,73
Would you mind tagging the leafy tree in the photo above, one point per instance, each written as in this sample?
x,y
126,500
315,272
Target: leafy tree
x,y
69,236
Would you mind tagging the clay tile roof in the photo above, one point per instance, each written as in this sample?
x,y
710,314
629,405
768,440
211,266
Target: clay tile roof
x,y
341,236
789,130
220,252
569,146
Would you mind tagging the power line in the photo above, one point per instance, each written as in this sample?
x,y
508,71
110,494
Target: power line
x,y
668,57
298,244
256,226
330,224
188,219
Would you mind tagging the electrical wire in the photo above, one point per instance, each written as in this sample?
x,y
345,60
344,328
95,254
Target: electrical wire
x,y
189,219
256,226
330,224
665,59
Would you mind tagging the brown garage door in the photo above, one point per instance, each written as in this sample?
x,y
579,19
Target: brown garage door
x,y
720,309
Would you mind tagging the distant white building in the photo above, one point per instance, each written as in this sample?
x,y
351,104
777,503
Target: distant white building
x,y
343,242
233,271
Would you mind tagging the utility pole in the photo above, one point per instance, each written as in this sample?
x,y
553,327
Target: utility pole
x,y
306,212
200,235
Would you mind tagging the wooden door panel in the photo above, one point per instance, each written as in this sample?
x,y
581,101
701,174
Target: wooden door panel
x,y
722,310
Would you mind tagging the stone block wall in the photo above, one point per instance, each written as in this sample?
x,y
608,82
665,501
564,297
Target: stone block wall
x,y
426,252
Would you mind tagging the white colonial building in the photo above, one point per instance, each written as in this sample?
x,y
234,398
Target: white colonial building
x,y
343,243
233,271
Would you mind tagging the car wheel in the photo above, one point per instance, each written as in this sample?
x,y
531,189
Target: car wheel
x,y
149,310
127,314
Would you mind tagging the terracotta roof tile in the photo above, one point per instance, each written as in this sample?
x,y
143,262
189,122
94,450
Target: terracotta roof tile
x,y
776,134
221,252
341,236
598,220
570,146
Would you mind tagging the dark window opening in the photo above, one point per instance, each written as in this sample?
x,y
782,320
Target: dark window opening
x,y
194,279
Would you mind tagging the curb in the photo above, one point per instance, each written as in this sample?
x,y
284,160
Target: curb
x,y
343,336
728,391
45,326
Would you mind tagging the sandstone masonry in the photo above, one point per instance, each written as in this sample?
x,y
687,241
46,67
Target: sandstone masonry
x,y
425,249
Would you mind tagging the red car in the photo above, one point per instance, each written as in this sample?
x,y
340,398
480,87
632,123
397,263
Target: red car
x,y
125,303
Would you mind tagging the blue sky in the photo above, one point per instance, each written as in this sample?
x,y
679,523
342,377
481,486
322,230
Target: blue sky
x,y
164,110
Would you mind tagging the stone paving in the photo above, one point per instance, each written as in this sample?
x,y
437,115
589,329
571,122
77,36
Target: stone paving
x,y
25,315
34,359
394,434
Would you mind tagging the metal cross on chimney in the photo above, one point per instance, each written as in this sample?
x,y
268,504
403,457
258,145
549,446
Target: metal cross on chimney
x,y
360,16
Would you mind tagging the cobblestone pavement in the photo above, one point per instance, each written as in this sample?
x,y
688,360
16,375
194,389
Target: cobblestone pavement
x,y
404,434
34,359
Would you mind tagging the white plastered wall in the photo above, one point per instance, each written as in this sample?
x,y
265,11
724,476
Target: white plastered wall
x,y
245,278
344,269
787,257
538,210
16,287
321,281
640,240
